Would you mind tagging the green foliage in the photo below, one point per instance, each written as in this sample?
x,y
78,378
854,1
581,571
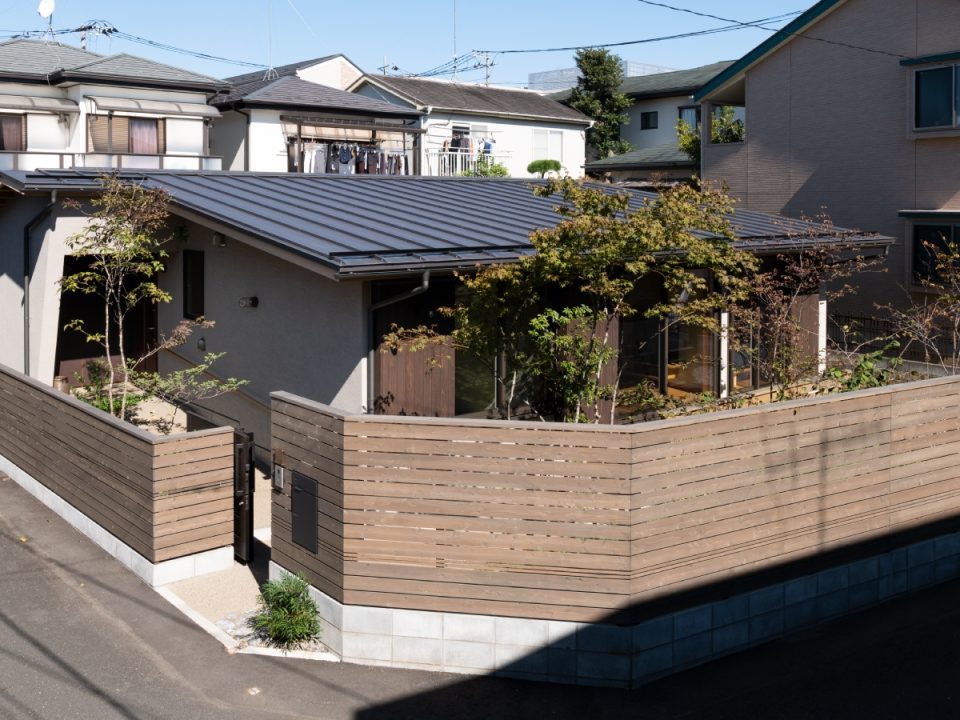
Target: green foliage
x,y
598,96
124,243
546,323
488,167
725,128
542,167
288,615
872,370
189,385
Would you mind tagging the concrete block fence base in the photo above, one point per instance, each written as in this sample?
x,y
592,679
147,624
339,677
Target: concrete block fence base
x,y
154,574
627,657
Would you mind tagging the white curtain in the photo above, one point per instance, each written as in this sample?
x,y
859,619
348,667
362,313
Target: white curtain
x,y
143,137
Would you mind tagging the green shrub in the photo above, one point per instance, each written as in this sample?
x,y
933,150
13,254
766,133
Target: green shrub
x,y
288,615
542,167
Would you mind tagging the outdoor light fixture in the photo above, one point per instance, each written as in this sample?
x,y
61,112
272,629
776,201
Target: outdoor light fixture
x,y
219,240
249,302
202,344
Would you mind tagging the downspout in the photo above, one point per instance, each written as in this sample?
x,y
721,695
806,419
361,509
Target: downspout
x,y
419,290
27,232
246,140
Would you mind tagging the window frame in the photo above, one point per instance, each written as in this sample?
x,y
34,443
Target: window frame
x,y
191,293
915,278
914,109
699,114
646,115
124,147
22,134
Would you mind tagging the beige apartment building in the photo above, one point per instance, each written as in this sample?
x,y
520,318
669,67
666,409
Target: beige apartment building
x,y
851,110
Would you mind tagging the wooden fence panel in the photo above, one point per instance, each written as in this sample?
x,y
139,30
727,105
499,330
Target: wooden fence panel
x,y
575,522
164,497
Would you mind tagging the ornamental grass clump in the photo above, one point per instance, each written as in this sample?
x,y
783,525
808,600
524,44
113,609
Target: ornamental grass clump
x,y
288,615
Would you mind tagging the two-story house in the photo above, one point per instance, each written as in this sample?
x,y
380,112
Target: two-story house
x,y
659,102
469,124
852,111
61,106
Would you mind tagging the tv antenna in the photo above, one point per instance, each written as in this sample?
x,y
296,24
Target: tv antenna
x,y
45,10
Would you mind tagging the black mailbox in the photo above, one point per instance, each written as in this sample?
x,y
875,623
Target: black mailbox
x,y
303,506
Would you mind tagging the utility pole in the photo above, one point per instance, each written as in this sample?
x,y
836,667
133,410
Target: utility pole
x,y
488,67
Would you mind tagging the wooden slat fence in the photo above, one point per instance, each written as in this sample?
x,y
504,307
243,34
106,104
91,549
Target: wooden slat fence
x,y
576,522
165,497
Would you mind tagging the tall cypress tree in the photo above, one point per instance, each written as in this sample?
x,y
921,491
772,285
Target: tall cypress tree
x,y
598,96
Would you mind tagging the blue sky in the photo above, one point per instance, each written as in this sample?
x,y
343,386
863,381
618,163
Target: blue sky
x,y
413,36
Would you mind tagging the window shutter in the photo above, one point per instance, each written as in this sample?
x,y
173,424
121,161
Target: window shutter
x,y
161,137
120,134
98,139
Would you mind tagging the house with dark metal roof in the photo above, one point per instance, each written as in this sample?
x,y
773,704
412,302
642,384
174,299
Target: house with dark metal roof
x,y
304,274
851,111
62,106
468,124
660,101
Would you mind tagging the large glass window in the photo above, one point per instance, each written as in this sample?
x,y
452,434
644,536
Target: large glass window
x,y
117,134
935,98
691,360
690,115
649,120
928,242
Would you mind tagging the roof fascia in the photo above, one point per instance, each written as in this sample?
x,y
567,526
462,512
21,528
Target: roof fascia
x,y
586,122
304,260
781,37
68,76
387,89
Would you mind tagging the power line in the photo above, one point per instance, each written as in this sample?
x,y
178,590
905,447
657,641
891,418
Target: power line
x,y
662,38
758,24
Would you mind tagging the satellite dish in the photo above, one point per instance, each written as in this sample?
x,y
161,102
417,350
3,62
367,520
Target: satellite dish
x,y
46,9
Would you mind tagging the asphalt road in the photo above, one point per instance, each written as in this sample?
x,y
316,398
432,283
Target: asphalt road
x,y
80,637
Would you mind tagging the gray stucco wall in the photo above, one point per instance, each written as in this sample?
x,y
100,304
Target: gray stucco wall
x,y
227,139
308,335
48,248
829,129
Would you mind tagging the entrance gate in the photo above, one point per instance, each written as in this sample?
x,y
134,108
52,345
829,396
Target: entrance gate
x,y
243,487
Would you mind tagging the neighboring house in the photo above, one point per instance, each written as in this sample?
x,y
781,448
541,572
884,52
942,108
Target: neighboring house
x,y
332,262
336,71
660,101
852,111
465,123
289,124
558,80
61,106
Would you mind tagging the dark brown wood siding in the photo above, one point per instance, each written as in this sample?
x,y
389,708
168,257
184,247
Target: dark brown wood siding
x,y
164,497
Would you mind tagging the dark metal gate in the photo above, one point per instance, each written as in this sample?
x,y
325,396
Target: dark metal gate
x,y
243,487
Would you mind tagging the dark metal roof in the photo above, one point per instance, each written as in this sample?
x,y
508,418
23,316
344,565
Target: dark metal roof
x,y
364,225
661,156
475,99
291,91
34,60
678,82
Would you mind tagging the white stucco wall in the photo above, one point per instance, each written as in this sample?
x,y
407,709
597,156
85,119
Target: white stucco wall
x,y
308,335
337,72
514,140
668,110
268,144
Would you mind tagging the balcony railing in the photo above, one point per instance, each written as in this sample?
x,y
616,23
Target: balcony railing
x,y
52,160
451,163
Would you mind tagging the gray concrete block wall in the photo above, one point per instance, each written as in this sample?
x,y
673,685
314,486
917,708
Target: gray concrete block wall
x,y
628,657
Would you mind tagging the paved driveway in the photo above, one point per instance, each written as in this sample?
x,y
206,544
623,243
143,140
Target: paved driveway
x,y
80,637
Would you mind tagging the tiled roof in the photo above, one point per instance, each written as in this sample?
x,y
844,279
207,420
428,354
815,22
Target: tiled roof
x,y
367,225
291,91
50,61
477,99
679,82
280,71
664,155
